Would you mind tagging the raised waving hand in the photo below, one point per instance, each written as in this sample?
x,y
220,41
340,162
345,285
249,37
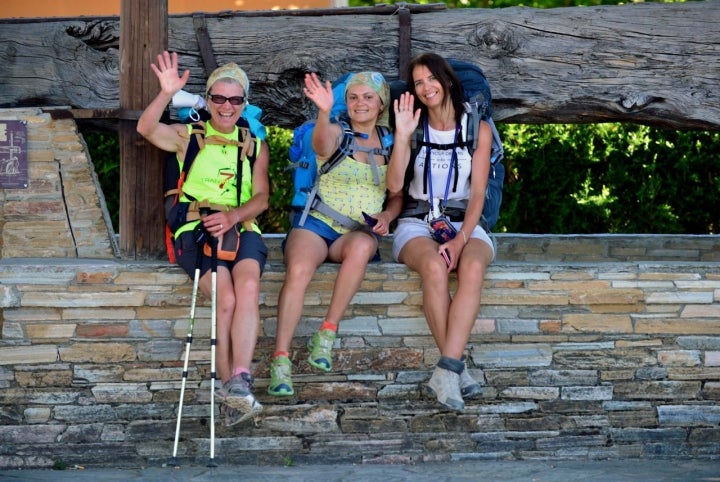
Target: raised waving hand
x,y
166,71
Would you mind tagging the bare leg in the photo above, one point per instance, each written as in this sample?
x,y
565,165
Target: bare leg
x,y
304,252
420,255
246,313
465,305
225,301
353,250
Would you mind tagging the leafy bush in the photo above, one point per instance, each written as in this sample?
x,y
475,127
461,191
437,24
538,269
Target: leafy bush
x,y
277,218
561,179
104,150
609,178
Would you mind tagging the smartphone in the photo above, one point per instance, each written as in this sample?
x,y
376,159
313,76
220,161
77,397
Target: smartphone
x,y
446,256
371,221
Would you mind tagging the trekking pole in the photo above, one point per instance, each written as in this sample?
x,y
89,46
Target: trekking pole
x,y
213,342
198,238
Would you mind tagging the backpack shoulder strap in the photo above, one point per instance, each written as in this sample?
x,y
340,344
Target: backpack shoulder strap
x,y
195,143
343,150
247,142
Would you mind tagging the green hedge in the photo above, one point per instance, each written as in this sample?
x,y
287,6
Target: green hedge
x,y
595,178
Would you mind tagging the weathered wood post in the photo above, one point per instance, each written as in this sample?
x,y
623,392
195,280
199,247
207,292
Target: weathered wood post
x,y
143,34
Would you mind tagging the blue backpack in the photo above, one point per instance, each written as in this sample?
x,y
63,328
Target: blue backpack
x,y
303,162
478,96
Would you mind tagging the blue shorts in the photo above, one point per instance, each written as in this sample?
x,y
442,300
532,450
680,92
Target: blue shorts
x,y
324,230
321,228
252,246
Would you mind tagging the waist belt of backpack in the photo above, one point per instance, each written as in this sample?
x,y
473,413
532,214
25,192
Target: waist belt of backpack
x,y
314,202
193,213
419,208
196,207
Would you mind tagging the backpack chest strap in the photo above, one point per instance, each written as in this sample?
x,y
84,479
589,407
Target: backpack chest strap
x,y
370,151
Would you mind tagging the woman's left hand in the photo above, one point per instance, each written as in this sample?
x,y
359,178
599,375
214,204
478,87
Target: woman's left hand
x,y
452,249
382,227
218,223
406,120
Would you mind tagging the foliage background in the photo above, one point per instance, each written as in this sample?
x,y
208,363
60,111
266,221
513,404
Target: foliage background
x,y
561,179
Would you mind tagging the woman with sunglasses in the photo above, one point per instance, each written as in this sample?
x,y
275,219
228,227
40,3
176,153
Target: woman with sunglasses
x,y
214,177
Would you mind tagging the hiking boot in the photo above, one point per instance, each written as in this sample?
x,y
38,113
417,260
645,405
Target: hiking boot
x,y
469,388
231,416
445,385
238,396
281,377
320,346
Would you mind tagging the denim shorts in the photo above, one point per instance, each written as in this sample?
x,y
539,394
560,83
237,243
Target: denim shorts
x,y
325,231
252,246
318,227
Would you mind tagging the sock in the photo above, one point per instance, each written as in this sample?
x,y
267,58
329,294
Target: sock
x,y
278,353
451,364
328,326
240,371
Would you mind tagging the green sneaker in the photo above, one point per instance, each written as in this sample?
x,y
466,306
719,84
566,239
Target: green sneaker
x,y
320,346
281,377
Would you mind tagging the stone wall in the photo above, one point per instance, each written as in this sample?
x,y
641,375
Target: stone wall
x,y
578,360
60,213
587,347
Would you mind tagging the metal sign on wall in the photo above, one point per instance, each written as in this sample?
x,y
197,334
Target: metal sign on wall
x,y
13,155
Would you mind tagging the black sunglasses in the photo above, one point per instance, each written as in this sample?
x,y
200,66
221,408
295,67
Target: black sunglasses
x,y
221,99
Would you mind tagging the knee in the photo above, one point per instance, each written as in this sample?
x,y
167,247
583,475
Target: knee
x,y
361,248
434,269
226,304
246,287
472,271
299,272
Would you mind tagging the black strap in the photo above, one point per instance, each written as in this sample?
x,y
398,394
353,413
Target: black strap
x,y
343,150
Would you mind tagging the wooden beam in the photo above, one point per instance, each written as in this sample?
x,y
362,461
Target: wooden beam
x,y
560,65
143,34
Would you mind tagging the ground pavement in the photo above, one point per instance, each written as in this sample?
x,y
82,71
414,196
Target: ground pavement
x,y
506,471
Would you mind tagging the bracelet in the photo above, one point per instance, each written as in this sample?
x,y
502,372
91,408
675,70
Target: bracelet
x,y
464,237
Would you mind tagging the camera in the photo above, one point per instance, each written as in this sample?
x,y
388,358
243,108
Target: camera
x,y
441,229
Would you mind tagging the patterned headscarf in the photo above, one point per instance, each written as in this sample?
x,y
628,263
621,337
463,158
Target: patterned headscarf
x,y
376,82
229,71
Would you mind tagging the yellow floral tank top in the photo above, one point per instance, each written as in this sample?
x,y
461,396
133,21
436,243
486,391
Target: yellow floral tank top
x,y
349,188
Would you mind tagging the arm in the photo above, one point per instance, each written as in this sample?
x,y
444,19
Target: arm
x,y
260,199
478,184
406,121
325,134
171,138
392,210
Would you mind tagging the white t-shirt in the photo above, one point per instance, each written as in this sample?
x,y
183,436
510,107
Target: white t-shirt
x,y
441,166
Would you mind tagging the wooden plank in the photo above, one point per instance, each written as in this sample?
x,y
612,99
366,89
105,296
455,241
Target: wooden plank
x,y
143,33
649,63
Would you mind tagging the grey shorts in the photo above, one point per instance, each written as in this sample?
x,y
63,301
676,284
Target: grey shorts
x,y
409,228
